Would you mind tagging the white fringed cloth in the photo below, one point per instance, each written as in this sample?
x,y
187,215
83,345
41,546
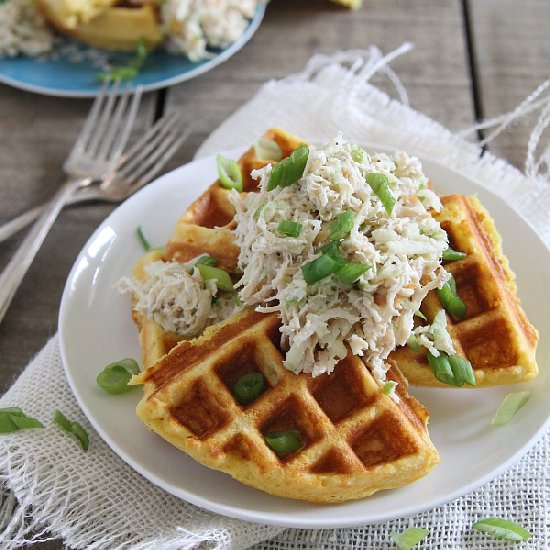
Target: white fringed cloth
x,y
51,489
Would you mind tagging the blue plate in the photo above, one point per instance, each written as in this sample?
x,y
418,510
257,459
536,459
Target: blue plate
x,y
66,78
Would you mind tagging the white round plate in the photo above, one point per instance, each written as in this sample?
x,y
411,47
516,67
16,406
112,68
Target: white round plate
x,y
96,329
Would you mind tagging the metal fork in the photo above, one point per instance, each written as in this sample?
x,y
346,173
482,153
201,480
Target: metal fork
x,y
135,168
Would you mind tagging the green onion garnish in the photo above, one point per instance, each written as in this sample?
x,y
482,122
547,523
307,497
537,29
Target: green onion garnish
x,y
115,376
452,370
450,300
289,228
341,226
318,269
357,153
412,343
287,441
381,188
410,538
451,255
420,315
502,529
289,170
13,419
349,272
144,242
132,69
248,387
73,428
229,173
268,149
222,278
332,249
387,388
509,407
207,260
462,370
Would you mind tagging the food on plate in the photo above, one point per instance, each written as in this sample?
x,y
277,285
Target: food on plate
x,y
275,322
494,334
191,27
326,439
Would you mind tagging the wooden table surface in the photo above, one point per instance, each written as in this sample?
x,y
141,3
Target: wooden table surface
x,y
472,59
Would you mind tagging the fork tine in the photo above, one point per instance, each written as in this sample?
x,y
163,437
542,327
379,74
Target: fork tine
x,y
134,106
153,171
112,131
100,128
91,120
145,165
147,145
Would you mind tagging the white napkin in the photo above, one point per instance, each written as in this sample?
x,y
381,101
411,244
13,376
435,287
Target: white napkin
x,y
50,488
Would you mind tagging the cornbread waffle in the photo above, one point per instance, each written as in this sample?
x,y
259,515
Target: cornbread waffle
x,y
496,335
105,23
355,439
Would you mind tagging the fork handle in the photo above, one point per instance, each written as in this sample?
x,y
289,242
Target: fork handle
x,y
13,274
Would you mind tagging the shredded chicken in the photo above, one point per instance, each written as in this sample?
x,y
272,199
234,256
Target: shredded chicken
x,y
175,296
375,314
193,26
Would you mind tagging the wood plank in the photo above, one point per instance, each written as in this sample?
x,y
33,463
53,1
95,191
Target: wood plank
x,y
435,73
512,49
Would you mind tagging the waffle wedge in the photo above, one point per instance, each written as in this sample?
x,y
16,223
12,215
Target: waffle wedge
x,y
355,439
496,336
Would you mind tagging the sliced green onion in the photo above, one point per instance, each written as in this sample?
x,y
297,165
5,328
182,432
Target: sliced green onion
x,y
289,170
332,249
441,367
388,387
381,188
287,441
144,242
358,153
452,370
62,421
451,301
462,370
451,255
248,387
73,428
115,376
207,260
132,69
222,278
412,343
318,269
420,315
509,407
229,173
26,423
410,538
7,425
452,284
268,149
341,226
13,419
290,228
502,529
14,411
351,271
